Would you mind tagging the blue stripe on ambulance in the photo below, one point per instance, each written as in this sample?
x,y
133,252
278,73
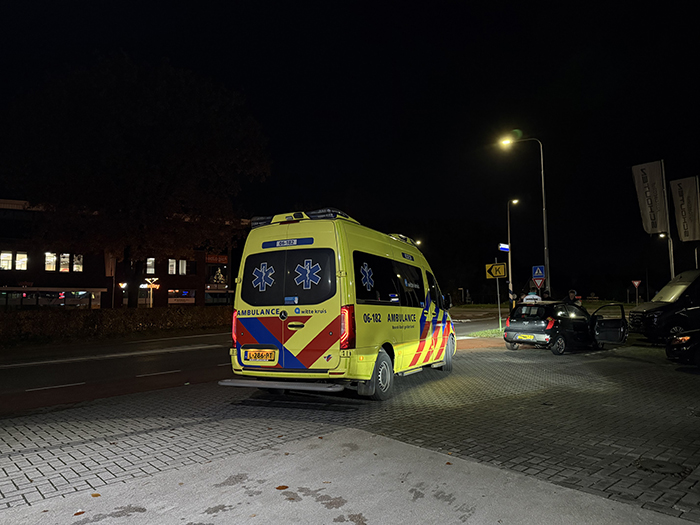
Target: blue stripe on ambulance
x,y
264,337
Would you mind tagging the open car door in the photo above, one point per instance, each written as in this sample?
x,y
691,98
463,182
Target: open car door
x,y
609,324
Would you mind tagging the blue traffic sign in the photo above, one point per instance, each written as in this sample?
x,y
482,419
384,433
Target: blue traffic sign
x,y
538,272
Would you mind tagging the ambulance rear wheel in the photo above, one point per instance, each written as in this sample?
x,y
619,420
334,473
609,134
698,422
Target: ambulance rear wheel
x,y
449,350
383,377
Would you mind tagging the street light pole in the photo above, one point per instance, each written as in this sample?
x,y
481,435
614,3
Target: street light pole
x,y
548,282
510,265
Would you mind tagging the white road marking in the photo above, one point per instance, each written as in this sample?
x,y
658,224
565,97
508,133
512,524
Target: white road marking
x,y
175,338
171,349
56,386
159,373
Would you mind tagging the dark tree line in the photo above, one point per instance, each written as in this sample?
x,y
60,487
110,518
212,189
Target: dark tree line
x,y
136,160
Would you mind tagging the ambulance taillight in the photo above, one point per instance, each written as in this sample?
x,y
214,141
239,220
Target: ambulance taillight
x,y
233,326
347,327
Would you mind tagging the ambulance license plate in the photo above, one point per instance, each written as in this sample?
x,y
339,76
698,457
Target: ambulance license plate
x,y
526,336
260,355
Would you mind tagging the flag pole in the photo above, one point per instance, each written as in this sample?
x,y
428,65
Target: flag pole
x,y
668,222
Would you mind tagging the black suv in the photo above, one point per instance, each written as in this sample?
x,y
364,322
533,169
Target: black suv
x,y
560,326
675,309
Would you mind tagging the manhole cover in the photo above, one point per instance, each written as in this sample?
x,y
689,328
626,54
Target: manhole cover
x,y
661,467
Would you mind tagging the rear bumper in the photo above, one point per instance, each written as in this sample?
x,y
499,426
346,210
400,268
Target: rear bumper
x,y
523,338
291,385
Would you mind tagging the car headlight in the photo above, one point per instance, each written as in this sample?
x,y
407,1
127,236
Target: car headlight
x,y
680,339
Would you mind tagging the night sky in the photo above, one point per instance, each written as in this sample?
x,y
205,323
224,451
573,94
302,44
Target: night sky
x,y
391,111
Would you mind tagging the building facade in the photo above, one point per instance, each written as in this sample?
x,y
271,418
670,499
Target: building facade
x,y
33,276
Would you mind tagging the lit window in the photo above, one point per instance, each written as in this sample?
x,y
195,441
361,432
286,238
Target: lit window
x,y
21,261
172,266
5,260
182,267
64,263
50,262
77,263
150,266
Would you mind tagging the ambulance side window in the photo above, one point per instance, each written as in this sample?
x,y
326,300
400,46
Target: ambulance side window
x,y
434,291
374,280
411,285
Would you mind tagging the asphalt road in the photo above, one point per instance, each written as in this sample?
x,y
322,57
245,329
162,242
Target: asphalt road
x,y
52,376
74,374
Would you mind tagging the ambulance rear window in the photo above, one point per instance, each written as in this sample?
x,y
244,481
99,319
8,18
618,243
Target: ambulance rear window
x,y
289,277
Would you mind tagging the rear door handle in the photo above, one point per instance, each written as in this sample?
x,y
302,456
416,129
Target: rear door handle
x,y
295,326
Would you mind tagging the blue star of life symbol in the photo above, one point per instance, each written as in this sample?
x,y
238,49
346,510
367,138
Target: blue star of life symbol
x,y
263,277
307,274
367,280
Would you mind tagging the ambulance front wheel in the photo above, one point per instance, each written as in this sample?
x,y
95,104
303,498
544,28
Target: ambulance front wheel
x,y
383,377
449,351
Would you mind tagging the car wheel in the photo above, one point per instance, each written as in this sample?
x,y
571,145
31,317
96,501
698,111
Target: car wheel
x,y
383,377
449,350
512,346
599,346
558,347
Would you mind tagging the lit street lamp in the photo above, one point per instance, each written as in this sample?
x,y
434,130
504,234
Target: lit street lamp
x,y
548,283
151,285
510,265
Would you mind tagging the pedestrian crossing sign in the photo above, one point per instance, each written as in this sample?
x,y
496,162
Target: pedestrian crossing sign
x,y
538,272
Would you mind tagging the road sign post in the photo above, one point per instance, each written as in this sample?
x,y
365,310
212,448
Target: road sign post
x,y
496,271
636,288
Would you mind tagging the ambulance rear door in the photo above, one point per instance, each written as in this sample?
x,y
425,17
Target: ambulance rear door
x,y
294,276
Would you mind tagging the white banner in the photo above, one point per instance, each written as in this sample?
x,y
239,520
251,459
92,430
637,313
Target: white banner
x,y
685,201
648,179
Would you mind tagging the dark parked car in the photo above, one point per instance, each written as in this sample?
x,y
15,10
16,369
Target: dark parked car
x,y
684,348
675,309
559,326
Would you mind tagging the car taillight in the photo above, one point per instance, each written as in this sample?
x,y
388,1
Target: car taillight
x,y
507,322
233,326
551,322
347,327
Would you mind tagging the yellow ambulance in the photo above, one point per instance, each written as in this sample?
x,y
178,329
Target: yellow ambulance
x,y
323,303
